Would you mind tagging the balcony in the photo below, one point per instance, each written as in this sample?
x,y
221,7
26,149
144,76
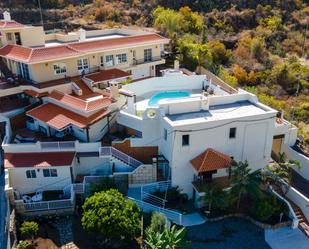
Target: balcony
x,y
143,61
50,201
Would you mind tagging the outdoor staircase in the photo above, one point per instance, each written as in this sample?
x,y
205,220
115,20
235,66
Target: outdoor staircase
x,y
303,223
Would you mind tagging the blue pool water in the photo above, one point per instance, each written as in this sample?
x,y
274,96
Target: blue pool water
x,y
167,95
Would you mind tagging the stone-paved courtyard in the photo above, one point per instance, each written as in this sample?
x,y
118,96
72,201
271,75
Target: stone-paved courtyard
x,y
230,233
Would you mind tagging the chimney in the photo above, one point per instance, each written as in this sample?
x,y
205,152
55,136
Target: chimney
x,y
113,86
176,64
82,35
6,16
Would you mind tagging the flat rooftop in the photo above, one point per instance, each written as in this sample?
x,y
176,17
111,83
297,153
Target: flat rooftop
x,y
218,112
92,38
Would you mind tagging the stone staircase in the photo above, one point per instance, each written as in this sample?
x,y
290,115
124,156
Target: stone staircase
x,y
303,223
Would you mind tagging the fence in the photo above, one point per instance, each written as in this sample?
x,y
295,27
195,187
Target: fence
x,y
148,189
111,151
48,205
65,145
170,214
292,214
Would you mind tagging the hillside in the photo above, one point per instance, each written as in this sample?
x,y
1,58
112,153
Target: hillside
x,y
262,46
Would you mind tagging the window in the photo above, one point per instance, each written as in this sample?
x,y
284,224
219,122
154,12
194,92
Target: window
x,y
31,173
9,36
185,140
50,173
60,68
165,134
23,70
147,54
109,59
121,58
82,64
232,132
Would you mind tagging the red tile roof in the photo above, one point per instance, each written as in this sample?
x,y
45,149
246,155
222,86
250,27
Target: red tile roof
x,y
95,103
35,94
36,55
45,159
211,160
98,45
105,75
10,24
16,52
59,118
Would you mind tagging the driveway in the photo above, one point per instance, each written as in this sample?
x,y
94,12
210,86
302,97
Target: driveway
x,y
286,238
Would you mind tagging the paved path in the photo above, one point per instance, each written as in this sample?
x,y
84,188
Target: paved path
x,y
3,213
286,238
186,220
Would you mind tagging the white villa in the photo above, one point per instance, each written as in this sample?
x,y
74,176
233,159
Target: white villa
x,y
65,125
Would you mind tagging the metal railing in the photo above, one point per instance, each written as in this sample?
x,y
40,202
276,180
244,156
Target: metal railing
x,y
143,61
111,151
148,189
174,216
48,205
64,145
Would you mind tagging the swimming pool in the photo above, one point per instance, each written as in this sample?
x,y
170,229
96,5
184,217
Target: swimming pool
x,y
167,95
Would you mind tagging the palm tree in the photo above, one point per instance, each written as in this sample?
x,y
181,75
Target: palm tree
x,y
243,182
282,171
214,197
201,54
169,239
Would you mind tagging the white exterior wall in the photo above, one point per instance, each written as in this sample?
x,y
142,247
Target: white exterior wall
x,y
246,146
19,181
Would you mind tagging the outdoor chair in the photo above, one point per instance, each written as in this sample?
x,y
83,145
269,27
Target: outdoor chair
x,y
26,198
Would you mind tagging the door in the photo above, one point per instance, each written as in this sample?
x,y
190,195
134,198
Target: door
x,y
276,147
83,66
17,38
141,73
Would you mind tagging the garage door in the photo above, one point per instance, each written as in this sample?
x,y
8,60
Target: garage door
x,y
141,73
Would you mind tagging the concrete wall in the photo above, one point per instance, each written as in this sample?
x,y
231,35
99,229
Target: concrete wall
x,y
24,185
300,200
166,83
143,175
246,146
302,159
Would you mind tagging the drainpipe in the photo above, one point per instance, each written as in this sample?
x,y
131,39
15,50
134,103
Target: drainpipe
x,y
87,132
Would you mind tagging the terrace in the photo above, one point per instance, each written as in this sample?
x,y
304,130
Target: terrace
x,y
43,201
10,103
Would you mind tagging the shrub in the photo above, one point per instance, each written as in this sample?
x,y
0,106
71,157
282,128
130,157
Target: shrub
x,y
158,222
24,245
29,230
266,207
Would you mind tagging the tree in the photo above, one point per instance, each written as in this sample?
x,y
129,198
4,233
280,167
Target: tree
x,y
215,198
220,54
240,74
25,245
201,54
105,183
111,215
168,21
29,230
158,222
169,239
243,182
